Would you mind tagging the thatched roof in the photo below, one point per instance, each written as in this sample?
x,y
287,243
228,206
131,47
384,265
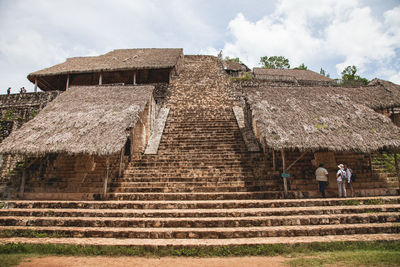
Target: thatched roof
x,y
234,66
299,75
378,94
313,118
83,120
120,59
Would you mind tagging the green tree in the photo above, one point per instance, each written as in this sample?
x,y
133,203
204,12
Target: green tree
x,y
301,67
349,74
234,59
274,62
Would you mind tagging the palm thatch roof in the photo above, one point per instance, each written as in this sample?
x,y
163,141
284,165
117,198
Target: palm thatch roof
x,y
234,66
281,74
313,118
120,59
83,120
378,94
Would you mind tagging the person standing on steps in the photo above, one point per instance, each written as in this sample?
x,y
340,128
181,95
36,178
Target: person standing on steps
x,y
341,180
321,175
349,176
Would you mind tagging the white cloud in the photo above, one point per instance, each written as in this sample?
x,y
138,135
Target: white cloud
x,y
339,33
40,33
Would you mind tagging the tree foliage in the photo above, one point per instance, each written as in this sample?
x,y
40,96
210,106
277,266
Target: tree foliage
x,y
274,62
349,75
234,59
301,67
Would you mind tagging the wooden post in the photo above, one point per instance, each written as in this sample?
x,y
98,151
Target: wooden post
x,y
67,85
120,162
101,78
396,164
134,77
370,162
22,186
285,186
106,177
35,85
273,160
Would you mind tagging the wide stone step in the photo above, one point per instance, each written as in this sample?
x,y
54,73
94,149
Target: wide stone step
x,y
211,222
197,213
200,157
212,233
241,183
204,242
193,189
196,195
203,179
205,204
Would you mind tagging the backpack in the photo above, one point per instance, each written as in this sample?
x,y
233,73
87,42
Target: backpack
x,y
353,177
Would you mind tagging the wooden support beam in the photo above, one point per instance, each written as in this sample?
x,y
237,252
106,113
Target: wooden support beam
x,y
120,162
36,85
22,186
134,77
285,185
294,162
67,84
101,78
396,164
23,181
273,160
370,162
106,177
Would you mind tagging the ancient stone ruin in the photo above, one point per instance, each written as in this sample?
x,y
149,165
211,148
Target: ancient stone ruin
x,y
154,144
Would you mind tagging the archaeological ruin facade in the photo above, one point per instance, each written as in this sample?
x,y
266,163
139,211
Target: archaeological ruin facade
x,y
155,124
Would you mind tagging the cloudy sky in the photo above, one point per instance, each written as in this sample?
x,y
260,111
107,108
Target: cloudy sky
x,y
331,34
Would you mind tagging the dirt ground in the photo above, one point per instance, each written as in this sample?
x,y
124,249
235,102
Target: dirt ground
x,y
151,262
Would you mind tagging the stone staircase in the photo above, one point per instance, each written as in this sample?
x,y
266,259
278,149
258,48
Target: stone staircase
x,y
200,222
202,154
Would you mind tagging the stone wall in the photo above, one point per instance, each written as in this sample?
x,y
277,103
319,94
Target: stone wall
x,y
15,110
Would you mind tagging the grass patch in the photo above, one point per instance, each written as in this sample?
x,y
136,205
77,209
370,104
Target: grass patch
x,y
31,234
387,161
349,258
351,202
8,260
377,253
377,201
217,251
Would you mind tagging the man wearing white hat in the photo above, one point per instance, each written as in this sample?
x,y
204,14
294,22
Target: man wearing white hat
x,y
341,180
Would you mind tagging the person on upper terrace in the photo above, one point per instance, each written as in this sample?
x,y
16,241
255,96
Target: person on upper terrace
x,y
22,90
321,175
341,179
9,90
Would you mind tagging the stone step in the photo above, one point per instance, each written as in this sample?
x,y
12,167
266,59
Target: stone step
x,y
203,179
204,204
192,173
212,233
192,189
212,222
203,242
196,195
194,184
197,213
